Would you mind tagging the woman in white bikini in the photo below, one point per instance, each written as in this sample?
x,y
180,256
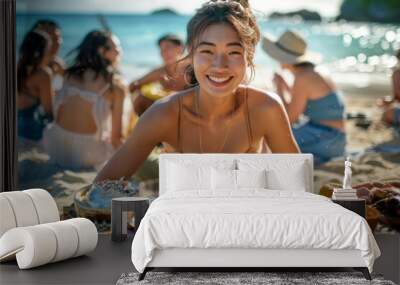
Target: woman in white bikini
x,y
88,109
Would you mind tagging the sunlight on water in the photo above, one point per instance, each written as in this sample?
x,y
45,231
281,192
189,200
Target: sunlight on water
x,y
366,48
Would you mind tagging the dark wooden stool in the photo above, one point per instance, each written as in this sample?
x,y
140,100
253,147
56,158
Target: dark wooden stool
x,y
119,214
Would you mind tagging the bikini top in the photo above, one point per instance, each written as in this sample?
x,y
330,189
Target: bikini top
x,y
329,107
252,148
101,107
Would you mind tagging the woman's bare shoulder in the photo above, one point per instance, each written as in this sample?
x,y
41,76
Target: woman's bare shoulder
x,y
314,78
267,113
265,105
119,87
303,79
119,81
168,107
263,98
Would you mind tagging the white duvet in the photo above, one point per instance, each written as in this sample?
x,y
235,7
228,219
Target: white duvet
x,y
253,218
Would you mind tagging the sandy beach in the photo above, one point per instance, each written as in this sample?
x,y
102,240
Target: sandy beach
x,y
362,100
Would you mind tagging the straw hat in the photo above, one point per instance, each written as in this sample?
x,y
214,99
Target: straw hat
x,y
290,48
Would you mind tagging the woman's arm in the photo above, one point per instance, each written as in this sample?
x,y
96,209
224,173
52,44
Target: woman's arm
x,y
281,86
396,85
46,90
141,104
116,116
297,101
278,133
388,100
297,105
151,129
298,98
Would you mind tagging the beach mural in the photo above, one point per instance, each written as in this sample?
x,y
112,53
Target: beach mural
x,y
359,56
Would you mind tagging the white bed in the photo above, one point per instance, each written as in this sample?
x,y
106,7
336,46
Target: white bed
x,y
202,220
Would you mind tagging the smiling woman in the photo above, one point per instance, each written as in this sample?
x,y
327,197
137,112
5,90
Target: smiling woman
x,y
219,114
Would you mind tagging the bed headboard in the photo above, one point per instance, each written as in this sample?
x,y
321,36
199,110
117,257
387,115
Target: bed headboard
x,y
284,161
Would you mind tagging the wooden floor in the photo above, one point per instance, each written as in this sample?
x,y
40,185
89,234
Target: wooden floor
x,y
110,259
102,266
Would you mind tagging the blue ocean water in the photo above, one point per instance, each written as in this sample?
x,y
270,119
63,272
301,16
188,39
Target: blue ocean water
x,y
358,47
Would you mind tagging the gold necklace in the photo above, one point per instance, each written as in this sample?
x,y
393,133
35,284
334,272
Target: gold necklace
x,y
197,104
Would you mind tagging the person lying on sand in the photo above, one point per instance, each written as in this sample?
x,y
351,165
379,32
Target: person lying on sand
x,y
161,81
311,95
218,114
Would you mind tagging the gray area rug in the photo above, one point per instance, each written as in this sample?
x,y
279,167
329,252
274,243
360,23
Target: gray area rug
x,y
269,278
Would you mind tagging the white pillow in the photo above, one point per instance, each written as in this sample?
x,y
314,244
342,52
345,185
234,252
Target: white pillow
x,y
282,174
235,179
293,181
223,179
251,178
181,177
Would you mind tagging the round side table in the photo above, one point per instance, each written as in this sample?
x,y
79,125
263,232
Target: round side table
x,y
119,214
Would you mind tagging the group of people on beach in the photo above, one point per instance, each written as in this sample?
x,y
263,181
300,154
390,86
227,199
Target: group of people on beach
x,y
80,122
198,101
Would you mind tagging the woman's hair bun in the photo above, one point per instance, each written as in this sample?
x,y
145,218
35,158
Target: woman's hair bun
x,y
244,3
